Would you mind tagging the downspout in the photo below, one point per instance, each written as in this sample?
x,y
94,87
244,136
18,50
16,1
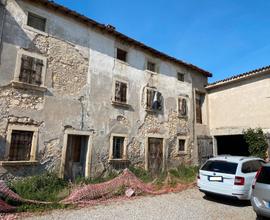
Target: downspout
x,y
2,20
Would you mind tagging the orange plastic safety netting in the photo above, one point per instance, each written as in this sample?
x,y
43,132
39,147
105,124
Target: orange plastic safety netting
x,y
94,193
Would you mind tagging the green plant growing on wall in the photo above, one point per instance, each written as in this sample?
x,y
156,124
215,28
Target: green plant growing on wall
x,y
257,142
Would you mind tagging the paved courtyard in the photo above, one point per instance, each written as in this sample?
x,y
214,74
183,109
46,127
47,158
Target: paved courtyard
x,y
190,204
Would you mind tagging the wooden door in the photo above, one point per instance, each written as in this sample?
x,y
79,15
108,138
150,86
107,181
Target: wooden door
x,y
155,155
76,156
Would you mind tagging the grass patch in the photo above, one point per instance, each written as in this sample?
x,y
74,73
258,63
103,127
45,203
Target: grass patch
x,y
185,174
141,174
83,180
41,207
45,187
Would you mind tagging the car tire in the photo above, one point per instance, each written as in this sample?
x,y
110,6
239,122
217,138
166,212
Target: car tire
x,y
208,195
259,217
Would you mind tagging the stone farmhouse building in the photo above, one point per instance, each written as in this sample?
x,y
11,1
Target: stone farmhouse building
x,y
80,98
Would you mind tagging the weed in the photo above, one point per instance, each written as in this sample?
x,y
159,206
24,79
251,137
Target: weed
x,y
45,187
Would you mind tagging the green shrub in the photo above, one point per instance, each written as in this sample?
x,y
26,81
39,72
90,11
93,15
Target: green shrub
x,y
45,187
83,180
257,142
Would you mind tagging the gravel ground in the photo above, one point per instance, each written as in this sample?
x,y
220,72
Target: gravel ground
x,y
190,204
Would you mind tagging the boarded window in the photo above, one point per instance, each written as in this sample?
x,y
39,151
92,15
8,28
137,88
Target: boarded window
x,y
154,100
151,66
121,55
31,70
182,107
120,92
199,101
181,77
118,147
20,146
181,145
36,22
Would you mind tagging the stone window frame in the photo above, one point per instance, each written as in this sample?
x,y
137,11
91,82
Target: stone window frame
x,y
88,160
33,152
127,93
27,27
187,104
146,150
177,145
145,100
16,82
125,156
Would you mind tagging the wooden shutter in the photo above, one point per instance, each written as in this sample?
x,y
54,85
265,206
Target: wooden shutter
x,y
123,92
198,109
182,106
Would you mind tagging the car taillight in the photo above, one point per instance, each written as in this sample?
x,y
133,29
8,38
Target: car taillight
x,y
256,177
239,181
198,176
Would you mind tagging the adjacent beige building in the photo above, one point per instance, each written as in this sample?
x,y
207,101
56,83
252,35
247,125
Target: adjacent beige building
x,y
236,104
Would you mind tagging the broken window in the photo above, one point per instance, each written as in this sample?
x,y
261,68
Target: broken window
x,y
199,102
36,22
153,100
121,55
118,147
31,70
20,146
181,145
120,92
182,107
181,77
151,66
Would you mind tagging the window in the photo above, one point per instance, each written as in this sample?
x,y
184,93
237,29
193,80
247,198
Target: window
x,y
21,143
264,176
199,102
31,70
151,66
251,166
118,147
220,166
20,146
36,22
121,55
181,145
120,94
182,107
153,100
181,77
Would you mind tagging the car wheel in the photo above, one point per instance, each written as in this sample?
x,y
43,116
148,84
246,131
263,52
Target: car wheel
x,y
208,194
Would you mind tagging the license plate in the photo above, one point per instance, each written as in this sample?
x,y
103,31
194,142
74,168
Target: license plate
x,y
215,178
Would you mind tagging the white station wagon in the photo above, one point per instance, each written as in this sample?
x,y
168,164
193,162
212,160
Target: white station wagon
x,y
229,176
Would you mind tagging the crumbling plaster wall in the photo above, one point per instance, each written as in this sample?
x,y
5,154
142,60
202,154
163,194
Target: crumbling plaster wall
x,y
79,81
66,82
134,121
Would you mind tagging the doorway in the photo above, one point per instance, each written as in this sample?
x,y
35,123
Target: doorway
x,y
234,145
75,156
155,155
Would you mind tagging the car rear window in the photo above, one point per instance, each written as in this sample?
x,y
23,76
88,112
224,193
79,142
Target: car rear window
x,y
264,176
220,166
251,166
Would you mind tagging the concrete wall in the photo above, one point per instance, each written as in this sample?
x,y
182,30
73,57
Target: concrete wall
x,y
81,69
240,105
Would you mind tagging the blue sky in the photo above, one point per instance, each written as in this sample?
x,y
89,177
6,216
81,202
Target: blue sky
x,y
225,37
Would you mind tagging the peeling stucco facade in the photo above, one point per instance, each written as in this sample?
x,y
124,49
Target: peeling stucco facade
x,y
77,94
